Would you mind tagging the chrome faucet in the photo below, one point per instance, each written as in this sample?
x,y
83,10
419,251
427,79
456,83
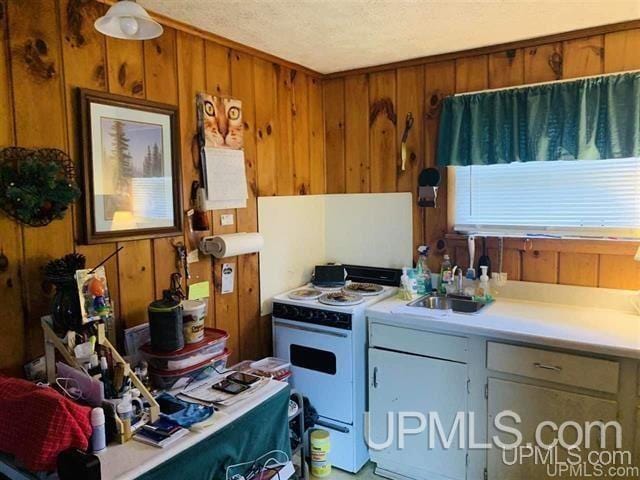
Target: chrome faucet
x,y
460,289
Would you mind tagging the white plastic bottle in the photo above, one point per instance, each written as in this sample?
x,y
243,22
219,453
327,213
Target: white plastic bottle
x,y
483,288
98,437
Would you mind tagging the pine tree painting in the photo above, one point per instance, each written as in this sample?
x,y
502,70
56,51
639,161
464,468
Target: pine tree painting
x,y
123,167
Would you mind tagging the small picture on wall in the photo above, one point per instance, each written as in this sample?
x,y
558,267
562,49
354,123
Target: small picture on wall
x,y
131,169
220,121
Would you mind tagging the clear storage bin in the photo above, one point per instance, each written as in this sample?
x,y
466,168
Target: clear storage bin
x,y
165,379
212,345
272,367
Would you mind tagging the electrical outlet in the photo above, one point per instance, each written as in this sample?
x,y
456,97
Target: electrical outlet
x,y
226,219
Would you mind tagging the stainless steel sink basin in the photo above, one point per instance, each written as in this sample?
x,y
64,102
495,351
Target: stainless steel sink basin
x,y
438,302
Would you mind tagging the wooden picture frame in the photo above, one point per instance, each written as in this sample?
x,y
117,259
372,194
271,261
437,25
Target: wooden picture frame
x,y
130,168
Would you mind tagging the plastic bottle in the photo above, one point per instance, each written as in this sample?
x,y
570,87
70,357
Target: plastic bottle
x,y
446,274
423,274
125,412
483,287
98,437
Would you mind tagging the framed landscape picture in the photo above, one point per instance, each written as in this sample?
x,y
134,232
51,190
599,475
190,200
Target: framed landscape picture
x,y
131,168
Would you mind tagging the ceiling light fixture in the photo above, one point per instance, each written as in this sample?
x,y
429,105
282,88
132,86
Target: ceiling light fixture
x,y
129,21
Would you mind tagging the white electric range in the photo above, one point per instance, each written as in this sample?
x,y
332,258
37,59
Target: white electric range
x,y
327,345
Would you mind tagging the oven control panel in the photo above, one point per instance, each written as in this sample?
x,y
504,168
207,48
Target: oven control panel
x,y
315,316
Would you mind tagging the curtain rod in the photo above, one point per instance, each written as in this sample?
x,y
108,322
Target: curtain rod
x,y
545,83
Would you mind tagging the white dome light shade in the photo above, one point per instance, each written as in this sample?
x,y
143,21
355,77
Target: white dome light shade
x,y
129,21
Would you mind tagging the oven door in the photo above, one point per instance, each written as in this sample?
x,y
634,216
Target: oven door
x,y
321,363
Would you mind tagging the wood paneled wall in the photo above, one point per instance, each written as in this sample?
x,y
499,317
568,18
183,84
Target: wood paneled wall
x,y
47,49
365,117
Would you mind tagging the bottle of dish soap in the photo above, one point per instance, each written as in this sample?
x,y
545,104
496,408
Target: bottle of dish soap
x,y
483,287
423,274
446,274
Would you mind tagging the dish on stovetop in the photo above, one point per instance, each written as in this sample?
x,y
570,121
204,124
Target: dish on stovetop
x,y
363,288
341,298
305,294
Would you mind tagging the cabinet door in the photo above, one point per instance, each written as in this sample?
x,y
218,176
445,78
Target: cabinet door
x,y
409,383
535,405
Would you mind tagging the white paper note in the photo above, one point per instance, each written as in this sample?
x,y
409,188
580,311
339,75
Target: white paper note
x,y
227,278
226,178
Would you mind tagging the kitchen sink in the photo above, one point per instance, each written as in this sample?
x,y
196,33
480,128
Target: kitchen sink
x,y
439,302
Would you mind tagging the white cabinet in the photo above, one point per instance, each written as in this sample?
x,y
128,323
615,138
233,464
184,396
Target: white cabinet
x,y
535,405
413,384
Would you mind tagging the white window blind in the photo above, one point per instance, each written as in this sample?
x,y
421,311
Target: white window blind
x,y
599,198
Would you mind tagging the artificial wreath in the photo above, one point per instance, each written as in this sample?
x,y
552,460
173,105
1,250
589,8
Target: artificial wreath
x,y
36,185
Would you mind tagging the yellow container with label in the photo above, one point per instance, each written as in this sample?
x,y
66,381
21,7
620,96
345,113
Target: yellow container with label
x,y
320,448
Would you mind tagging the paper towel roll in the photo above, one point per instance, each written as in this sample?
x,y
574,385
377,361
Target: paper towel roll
x,y
232,244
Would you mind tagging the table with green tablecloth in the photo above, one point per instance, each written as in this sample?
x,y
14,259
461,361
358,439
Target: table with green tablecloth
x,y
240,433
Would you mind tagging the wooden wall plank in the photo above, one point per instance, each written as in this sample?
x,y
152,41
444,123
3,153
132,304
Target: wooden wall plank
x,y
218,82
578,269
506,68
543,63
191,80
383,150
583,57
125,61
539,266
300,111
266,121
356,137
160,74
217,69
334,113
411,91
84,65
12,327
619,271
439,79
621,51
251,332
284,160
36,67
137,290
161,81
317,172
472,74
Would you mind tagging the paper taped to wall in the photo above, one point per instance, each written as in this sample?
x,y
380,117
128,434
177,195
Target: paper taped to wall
x,y
226,180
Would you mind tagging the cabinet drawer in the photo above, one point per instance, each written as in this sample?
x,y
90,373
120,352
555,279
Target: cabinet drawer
x,y
428,344
574,370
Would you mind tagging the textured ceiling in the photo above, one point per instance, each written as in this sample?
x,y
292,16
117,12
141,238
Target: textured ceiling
x,y
334,35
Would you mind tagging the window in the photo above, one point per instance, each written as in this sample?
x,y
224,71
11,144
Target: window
x,y
594,198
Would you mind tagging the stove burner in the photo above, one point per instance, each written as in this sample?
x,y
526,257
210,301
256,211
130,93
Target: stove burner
x,y
341,298
305,294
366,289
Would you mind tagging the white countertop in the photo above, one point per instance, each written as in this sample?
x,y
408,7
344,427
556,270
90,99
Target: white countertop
x,y
132,459
597,330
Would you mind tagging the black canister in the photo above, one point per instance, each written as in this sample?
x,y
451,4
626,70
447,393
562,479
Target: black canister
x,y
165,325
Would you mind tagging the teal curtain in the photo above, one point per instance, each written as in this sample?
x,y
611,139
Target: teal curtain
x,y
588,119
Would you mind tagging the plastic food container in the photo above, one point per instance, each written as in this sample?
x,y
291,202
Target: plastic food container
x,y
272,367
212,345
165,379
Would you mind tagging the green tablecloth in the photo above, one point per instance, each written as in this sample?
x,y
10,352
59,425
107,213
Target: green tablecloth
x,y
259,431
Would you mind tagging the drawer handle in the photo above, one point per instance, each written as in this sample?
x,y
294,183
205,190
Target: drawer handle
x,y
375,377
545,366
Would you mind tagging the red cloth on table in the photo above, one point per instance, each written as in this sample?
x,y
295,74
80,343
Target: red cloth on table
x,y
37,423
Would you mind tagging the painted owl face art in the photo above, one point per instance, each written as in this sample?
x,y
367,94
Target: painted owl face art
x,y
222,122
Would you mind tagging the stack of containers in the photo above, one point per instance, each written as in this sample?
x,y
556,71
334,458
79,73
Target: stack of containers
x,y
198,349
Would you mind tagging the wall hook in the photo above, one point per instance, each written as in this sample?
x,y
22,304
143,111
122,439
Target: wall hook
x,y
407,127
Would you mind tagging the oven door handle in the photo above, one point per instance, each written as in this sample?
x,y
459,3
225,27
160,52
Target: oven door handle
x,y
307,329
332,426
